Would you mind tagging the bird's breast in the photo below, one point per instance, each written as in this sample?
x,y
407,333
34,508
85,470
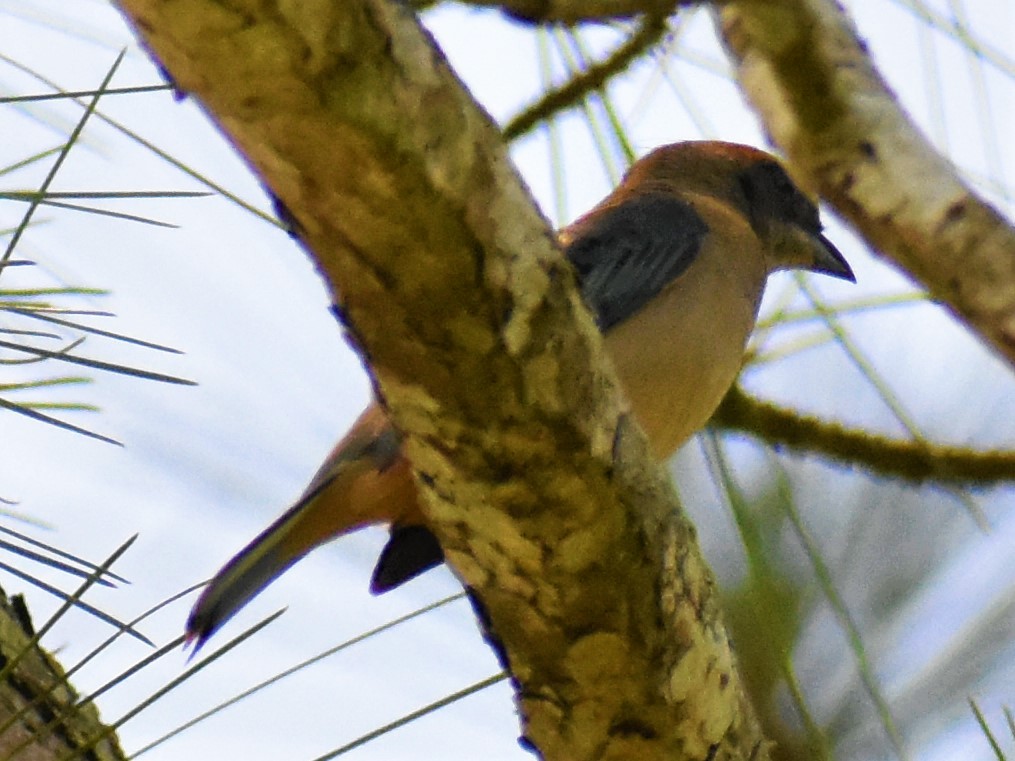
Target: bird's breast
x,y
679,355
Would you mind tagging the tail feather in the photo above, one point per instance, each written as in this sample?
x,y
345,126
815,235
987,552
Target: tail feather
x,y
410,551
365,480
250,571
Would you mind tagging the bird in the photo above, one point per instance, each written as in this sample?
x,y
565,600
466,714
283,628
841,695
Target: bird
x,y
672,264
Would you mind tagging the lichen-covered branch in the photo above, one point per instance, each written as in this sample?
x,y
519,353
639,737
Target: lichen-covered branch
x,y
808,74
40,717
537,483
909,460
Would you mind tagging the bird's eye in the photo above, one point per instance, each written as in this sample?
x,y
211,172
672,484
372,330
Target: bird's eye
x,y
783,184
771,194
771,180
766,184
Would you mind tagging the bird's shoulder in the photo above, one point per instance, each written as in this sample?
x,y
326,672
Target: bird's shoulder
x,y
627,252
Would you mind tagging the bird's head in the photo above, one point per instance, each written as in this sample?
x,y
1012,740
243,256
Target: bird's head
x,y
757,184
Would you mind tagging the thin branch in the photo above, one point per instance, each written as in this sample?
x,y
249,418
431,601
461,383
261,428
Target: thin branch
x,y
884,456
648,33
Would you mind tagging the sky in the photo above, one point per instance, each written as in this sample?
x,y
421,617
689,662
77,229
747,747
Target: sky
x,y
204,468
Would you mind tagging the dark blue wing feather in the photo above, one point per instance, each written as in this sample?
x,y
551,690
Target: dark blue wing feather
x,y
626,254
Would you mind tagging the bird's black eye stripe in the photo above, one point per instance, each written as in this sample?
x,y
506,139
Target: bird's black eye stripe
x,y
768,178
783,183
771,194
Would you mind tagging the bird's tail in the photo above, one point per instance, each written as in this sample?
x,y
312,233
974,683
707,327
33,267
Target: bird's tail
x,y
365,480
267,557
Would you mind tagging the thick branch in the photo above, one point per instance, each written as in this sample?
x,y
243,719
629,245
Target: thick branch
x,y
539,487
803,66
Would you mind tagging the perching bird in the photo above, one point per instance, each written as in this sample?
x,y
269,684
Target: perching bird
x,y
673,265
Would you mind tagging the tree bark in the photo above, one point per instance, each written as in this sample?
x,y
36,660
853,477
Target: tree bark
x,y
539,485
805,69
40,719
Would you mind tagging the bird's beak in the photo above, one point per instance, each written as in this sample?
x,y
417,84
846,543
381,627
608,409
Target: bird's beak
x,y
792,246
828,260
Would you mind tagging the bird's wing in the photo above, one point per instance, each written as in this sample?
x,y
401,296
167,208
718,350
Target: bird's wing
x,y
626,254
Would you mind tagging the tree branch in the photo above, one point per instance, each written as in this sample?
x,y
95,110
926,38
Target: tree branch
x,y
648,33
538,485
880,455
807,72
40,717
